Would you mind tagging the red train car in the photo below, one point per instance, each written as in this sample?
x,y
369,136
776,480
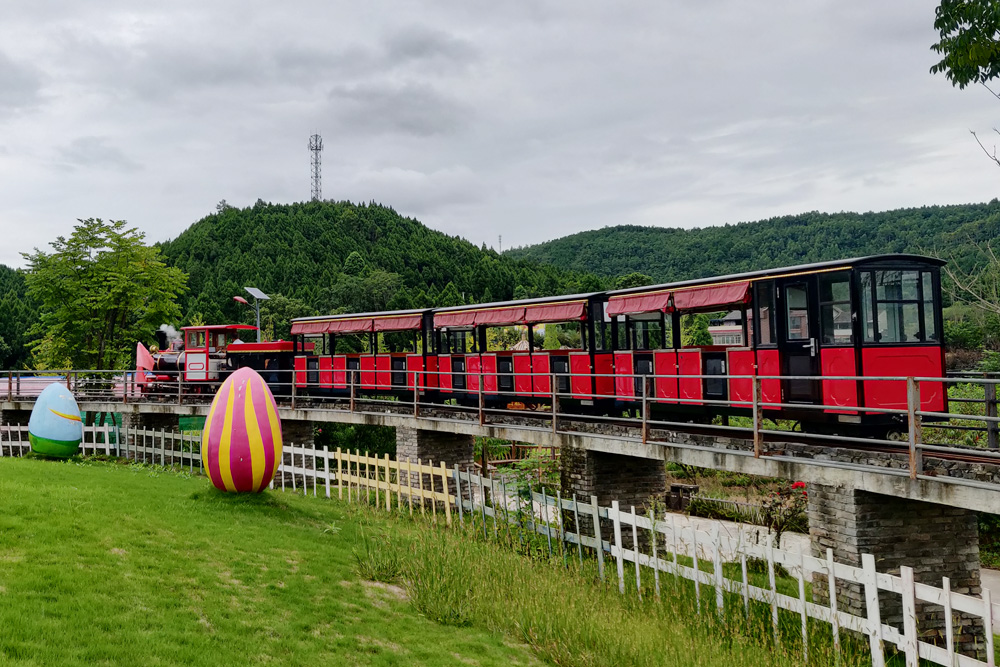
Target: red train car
x,y
802,331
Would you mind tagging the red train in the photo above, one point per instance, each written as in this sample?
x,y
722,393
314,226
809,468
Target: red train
x,y
814,325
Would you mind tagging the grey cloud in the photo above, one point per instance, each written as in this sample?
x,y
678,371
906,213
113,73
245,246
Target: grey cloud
x,y
96,152
413,109
20,85
418,43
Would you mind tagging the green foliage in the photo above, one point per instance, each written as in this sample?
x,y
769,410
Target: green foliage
x,y
354,265
970,41
376,440
99,292
694,330
634,279
296,249
670,254
963,334
551,341
276,315
17,317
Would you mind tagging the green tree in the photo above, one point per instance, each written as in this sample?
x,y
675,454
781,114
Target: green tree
x,y
551,337
354,265
694,330
276,315
450,297
970,41
634,279
98,293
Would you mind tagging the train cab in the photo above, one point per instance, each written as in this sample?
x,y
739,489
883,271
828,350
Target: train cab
x,y
204,357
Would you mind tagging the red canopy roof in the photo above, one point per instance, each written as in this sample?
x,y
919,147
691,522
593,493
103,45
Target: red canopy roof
x,y
398,323
632,304
347,326
462,318
500,316
555,312
712,295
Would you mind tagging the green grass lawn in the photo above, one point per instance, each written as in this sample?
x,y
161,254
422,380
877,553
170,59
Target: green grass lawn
x,y
105,563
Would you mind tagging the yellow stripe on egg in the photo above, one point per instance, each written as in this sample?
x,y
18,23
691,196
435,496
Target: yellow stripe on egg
x,y
225,469
254,438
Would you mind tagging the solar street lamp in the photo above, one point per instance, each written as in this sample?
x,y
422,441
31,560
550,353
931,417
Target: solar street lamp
x,y
258,296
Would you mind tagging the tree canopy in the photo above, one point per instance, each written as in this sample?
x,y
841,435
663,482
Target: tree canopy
x,y
970,41
97,293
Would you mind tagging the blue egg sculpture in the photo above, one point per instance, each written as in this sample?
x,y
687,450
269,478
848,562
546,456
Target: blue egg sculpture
x,y
55,427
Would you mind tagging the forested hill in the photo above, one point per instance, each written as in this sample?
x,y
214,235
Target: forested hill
x,y
306,252
669,254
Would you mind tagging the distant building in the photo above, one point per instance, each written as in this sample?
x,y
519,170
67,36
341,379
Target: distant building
x,y
728,330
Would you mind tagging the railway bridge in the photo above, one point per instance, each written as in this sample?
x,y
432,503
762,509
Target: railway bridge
x,y
904,502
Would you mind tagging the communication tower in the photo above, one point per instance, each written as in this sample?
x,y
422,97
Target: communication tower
x,y
316,148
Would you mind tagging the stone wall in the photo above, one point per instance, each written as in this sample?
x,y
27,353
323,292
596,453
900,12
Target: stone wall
x,y
935,540
630,480
434,446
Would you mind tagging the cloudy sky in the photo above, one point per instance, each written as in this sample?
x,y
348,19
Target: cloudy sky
x,y
531,119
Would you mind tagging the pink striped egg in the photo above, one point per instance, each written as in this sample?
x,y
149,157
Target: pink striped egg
x,y
241,443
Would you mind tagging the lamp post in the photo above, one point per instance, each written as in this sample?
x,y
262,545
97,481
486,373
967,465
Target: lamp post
x,y
258,296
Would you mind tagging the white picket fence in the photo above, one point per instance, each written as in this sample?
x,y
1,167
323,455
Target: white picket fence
x,y
101,439
380,481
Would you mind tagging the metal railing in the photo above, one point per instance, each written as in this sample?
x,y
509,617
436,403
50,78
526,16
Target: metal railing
x,y
535,401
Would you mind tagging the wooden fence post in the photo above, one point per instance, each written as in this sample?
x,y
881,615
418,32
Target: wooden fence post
x,y
447,496
596,513
717,569
340,480
834,617
635,554
388,484
458,487
326,468
409,482
874,616
909,638
949,622
656,559
619,558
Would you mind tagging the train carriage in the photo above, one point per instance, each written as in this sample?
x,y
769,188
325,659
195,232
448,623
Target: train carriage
x,y
802,331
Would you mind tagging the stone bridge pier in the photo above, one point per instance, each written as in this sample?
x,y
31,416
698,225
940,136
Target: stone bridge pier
x,y
448,448
631,480
935,540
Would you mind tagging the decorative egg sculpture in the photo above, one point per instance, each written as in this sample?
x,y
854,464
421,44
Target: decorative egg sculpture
x,y
55,427
241,443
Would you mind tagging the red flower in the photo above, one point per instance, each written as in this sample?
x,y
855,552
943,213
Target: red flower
x,y
799,485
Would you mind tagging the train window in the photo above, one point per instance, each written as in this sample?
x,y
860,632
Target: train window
x,y
196,340
903,307
835,308
765,307
930,322
797,311
651,334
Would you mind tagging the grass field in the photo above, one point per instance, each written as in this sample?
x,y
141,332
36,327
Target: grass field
x,y
104,563
109,564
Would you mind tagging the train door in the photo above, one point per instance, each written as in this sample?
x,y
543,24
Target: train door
x,y
798,342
